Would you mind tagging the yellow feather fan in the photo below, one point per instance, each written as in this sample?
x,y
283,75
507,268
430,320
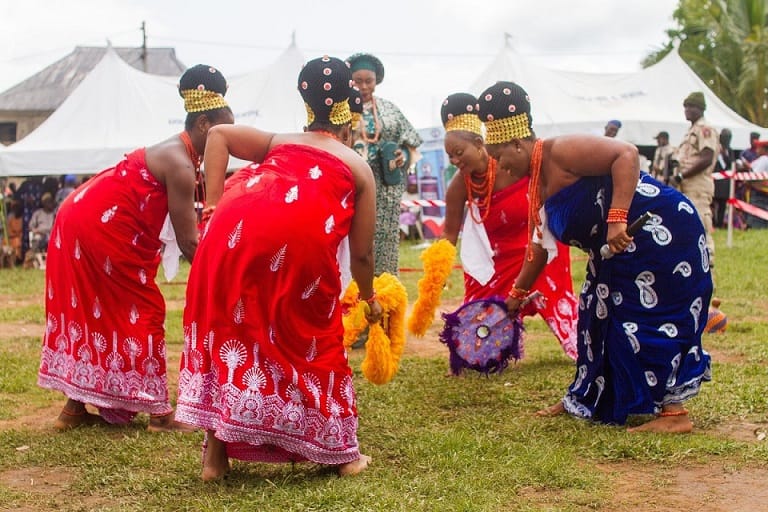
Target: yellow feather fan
x,y
386,340
438,261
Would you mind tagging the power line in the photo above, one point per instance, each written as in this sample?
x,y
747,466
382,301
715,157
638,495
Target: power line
x,y
569,52
68,48
245,46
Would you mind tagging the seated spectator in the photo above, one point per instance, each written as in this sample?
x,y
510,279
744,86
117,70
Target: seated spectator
x,y
14,225
28,194
758,190
10,190
410,216
750,153
612,128
69,186
760,163
41,223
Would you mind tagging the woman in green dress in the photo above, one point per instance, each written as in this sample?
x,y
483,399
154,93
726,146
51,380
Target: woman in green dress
x,y
388,141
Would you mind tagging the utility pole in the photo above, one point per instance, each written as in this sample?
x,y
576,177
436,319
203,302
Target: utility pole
x,y
144,46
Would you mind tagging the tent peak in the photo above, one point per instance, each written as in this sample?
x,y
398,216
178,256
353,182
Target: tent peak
x,y
508,40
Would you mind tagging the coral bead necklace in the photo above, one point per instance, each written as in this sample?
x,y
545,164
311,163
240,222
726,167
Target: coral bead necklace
x,y
481,192
327,134
534,195
376,125
197,161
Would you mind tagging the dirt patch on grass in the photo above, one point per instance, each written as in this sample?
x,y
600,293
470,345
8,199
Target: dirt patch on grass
x,y
46,489
38,480
16,301
721,356
37,419
171,305
429,345
744,432
10,330
711,488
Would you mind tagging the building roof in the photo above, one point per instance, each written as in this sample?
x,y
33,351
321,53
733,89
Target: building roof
x,y
94,127
47,89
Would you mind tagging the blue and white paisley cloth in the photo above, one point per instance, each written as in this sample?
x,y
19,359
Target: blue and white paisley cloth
x,y
642,312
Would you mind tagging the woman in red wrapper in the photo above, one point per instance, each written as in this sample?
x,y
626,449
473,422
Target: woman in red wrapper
x,y
264,370
495,230
104,342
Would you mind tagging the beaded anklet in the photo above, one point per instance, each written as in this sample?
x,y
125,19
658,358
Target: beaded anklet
x,y
666,414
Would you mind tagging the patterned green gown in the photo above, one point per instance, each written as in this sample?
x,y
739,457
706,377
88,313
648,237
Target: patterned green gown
x,y
394,127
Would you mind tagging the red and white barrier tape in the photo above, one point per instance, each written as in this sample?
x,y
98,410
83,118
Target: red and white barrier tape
x,y
740,176
749,208
422,202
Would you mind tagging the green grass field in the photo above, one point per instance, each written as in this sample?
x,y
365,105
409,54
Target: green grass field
x,y
438,444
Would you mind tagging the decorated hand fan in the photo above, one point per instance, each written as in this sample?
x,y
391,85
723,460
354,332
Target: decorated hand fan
x,y
481,336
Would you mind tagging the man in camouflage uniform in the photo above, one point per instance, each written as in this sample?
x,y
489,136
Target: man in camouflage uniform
x,y
697,156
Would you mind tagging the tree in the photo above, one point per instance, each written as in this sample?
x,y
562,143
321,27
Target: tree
x,y
726,43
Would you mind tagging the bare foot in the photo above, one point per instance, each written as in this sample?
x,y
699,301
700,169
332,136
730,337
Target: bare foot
x,y
68,420
552,410
215,460
74,414
355,467
166,423
666,425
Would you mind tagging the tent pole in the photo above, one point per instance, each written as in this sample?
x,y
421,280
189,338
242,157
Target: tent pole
x,y
144,65
731,194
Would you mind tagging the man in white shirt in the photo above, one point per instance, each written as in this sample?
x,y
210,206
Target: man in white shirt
x,y
758,190
760,164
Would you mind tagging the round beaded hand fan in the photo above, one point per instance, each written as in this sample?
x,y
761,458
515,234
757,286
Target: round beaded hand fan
x,y
481,336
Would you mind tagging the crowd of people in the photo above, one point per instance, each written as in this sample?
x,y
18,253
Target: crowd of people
x,y
264,372
26,217
698,165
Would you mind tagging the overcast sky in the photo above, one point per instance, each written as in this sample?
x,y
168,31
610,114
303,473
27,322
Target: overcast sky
x,y
427,46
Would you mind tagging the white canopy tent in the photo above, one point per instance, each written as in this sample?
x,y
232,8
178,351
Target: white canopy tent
x,y
117,108
646,102
268,98
114,110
